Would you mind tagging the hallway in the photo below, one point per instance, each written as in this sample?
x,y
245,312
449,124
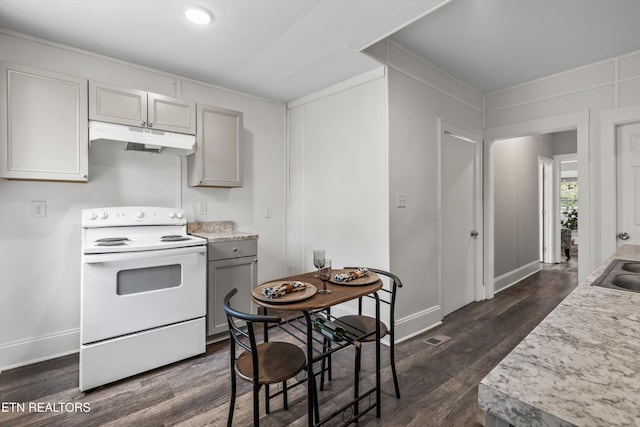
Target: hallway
x,y
570,266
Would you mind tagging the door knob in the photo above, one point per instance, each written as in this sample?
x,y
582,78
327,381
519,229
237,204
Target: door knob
x,y
623,236
474,234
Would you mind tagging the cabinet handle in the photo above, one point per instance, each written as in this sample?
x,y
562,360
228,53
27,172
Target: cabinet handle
x,y
235,249
149,124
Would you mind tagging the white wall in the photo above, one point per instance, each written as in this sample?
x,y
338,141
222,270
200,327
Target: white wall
x,y
419,94
565,142
516,206
40,257
338,175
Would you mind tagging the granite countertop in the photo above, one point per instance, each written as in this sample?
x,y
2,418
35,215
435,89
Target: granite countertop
x,y
579,367
218,231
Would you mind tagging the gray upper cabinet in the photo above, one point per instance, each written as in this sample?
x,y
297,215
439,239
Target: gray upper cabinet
x,y
217,161
114,104
43,122
171,114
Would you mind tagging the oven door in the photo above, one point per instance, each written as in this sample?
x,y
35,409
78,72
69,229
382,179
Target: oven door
x,y
134,291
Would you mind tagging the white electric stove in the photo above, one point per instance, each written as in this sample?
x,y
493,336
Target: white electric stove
x,y
143,287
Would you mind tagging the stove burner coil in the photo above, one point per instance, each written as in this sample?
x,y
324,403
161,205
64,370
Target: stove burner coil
x,y
112,243
174,238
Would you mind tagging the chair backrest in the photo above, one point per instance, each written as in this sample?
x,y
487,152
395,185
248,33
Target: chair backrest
x,y
391,293
244,338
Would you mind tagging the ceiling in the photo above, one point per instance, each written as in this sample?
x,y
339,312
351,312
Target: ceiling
x,y
285,49
495,44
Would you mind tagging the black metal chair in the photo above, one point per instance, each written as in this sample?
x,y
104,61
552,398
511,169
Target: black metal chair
x,y
261,363
366,325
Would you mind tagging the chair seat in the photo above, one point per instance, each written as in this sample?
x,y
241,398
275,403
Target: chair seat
x,y
361,325
277,362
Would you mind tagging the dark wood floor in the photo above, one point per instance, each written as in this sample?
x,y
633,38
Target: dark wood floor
x,y
438,384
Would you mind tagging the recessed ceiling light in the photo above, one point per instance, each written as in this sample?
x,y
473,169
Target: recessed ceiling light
x,y
198,15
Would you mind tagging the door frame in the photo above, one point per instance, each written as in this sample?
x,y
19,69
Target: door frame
x,y
546,207
476,135
577,120
609,122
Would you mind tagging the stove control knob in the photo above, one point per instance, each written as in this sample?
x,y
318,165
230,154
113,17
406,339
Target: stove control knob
x,y
172,214
179,215
104,215
92,216
139,214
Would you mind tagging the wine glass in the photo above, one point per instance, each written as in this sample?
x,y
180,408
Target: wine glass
x,y
318,259
324,273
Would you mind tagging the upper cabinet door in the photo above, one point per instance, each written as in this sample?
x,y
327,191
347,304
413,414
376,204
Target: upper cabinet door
x,y
113,104
171,114
217,161
43,118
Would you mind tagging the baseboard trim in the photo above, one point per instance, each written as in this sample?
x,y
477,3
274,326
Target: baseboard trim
x,y
418,323
511,278
26,352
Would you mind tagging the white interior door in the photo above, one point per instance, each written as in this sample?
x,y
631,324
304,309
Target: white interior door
x,y
628,184
460,217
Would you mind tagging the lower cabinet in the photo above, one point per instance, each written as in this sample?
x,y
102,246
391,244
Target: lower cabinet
x,y
231,265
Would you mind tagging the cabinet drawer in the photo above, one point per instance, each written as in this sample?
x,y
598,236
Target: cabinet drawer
x,y
233,249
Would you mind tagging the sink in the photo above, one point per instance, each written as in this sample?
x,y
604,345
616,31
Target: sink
x,y
623,275
627,281
633,267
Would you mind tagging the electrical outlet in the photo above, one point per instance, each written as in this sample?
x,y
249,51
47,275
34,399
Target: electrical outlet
x,y
39,208
401,200
267,213
202,208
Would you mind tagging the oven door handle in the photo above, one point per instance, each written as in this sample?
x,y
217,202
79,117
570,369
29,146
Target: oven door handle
x,y
128,256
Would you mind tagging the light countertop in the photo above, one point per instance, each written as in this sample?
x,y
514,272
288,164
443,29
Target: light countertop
x,y
218,231
579,367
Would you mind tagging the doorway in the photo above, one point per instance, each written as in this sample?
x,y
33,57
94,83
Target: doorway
x,y
611,121
628,184
576,120
568,205
460,194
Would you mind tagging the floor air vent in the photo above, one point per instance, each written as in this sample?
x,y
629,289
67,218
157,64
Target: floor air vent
x,y
436,340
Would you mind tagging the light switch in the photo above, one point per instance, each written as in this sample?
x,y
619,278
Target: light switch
x,y
401,200
202,208
39,208
267,213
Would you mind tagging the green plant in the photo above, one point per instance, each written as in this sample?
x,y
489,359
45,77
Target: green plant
x,y
568,195
571,218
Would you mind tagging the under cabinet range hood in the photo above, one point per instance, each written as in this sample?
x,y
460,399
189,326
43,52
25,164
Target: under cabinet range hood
x,y
142,139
